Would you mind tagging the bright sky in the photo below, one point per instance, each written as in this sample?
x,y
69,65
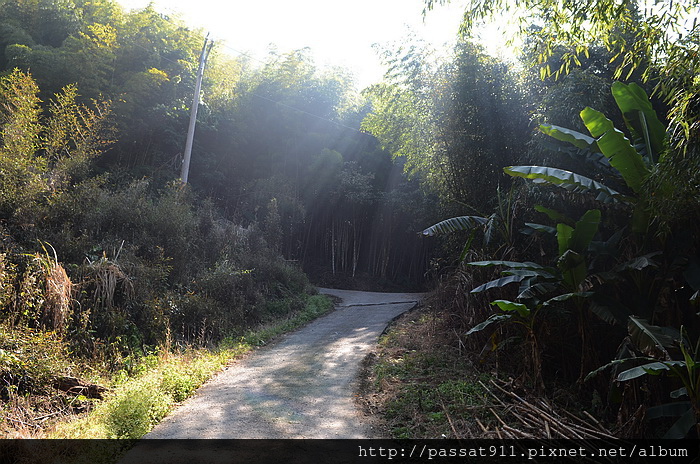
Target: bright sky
x,y
338,32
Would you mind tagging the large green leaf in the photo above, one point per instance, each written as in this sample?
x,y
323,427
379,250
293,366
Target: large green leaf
x,y
609,310
571,136
564,233
532,228
573,268
567,180
683,425
537,290
510,306
640,117
555,215
652,339
567,296
512,265
585,230
668,410
503,281
491,320
654,368
455,224
617,148
639,263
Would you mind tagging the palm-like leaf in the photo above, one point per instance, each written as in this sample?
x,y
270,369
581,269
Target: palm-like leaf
x,y
617,148
567,180
455,224
571,136
640,118
652,339
503,281
493,319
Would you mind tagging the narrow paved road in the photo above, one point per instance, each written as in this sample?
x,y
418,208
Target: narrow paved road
x,y
299,387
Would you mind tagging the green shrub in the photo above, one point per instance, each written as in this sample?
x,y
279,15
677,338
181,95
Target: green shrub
x,y
136,409
30,359
178,383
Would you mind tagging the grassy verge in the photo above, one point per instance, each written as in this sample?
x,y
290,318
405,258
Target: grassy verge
x,y
138,400
419,383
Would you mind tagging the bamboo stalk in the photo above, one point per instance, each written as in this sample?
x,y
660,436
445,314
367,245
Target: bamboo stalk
x,y
483,428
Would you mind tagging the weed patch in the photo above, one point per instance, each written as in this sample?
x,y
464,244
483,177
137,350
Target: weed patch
x,y
420,385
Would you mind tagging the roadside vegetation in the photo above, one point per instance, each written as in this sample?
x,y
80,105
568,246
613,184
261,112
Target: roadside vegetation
x,y
573,278
124,403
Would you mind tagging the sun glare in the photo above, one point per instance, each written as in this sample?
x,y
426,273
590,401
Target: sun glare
x,y
338,34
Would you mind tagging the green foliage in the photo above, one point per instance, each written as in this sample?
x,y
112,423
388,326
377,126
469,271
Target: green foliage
x,y
136,410
661,345
455,124
30,359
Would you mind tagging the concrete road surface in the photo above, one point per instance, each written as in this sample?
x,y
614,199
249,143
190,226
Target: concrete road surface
x,y
299,387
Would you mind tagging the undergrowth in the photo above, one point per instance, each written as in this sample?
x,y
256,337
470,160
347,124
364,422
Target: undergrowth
x,y
139,395
421,385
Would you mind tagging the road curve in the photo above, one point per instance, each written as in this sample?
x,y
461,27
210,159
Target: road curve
x,y
298,387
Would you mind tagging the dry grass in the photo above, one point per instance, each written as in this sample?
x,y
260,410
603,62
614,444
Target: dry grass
x,y
424,382
105,276
59,291
419,384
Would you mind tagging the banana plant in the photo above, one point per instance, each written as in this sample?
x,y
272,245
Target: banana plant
x,y
544,286
618,159
668,351
499,223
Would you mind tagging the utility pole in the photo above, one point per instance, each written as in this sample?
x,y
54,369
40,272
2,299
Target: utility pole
x,y
193,111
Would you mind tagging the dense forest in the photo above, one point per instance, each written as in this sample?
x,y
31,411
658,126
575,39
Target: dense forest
x,y
557,193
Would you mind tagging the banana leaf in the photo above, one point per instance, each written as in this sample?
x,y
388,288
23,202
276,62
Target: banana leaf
x,y
617,148
571,136
455,224
585,230
491,320
651,339
640,118
567,180
510,306
503,281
